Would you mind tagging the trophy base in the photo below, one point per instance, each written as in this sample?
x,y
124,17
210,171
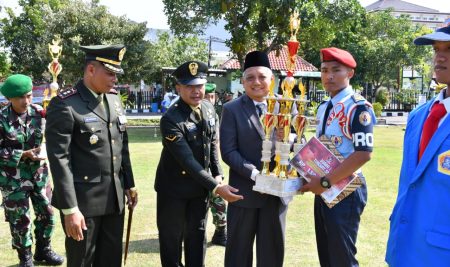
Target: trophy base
x,y
275,186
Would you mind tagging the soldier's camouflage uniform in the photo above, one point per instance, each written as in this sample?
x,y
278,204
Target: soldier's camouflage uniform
x,y
22,180
218,210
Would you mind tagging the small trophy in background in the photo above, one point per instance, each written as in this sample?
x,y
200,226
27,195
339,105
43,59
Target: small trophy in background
x,y
54,68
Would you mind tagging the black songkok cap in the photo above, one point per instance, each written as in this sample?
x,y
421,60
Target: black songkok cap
x,y
256,59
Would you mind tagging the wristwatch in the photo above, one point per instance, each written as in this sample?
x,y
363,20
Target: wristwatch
x,y
325,183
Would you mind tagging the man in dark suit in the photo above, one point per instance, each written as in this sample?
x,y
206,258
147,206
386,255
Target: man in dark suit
x,y
189,168
241,136
87,146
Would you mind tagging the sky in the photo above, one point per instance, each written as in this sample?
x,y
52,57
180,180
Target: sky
x,y
152,11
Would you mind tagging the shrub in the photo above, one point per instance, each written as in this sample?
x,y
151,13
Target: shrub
x,y
377,108
382,97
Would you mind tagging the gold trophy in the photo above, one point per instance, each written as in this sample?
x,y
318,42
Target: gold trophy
x,y
54,68
280,182
269,121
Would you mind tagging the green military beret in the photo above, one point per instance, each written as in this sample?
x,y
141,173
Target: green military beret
x,y
210,88
16,85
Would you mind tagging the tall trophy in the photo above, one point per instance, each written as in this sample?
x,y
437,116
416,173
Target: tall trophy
x,y
54,68
282,181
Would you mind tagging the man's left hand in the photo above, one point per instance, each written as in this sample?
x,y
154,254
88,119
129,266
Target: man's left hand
x,y
132,198
313,186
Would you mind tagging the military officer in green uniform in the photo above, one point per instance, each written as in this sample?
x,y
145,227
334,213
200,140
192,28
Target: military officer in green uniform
x,y
87,145
217,204
188,170
24,173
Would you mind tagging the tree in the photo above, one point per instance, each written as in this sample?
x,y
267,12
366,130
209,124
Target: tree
x,y
23,33
387,44
76,23
4,66
169,51
252,24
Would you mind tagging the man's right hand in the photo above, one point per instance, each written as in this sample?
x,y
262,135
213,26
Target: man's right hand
x,y
32,154
74,224
226,192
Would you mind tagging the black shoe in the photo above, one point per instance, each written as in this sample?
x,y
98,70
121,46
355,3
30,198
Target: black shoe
x,y
25,257
220,237
44,253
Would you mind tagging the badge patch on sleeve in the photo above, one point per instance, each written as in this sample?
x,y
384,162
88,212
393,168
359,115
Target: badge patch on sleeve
x,y
364,118
444,162
171,137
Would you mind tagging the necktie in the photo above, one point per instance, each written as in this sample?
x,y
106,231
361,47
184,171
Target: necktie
x,y
103,104
198,114
325,117
260,109
430,126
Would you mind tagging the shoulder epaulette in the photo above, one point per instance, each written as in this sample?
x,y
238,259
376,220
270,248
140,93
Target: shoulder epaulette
x,y
322,102
113,91
36,107
66,93
357,97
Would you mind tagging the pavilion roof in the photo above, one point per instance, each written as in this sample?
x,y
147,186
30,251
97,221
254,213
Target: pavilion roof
x,y
276,62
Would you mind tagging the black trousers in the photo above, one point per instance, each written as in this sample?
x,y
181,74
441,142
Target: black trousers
x,y
337,229
267,224
181,220
102,244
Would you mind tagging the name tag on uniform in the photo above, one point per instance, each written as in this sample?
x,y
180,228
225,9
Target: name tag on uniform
x,y
123,119
90,119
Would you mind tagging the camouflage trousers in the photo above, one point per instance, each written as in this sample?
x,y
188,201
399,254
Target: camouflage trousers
x,y
17,189
218,210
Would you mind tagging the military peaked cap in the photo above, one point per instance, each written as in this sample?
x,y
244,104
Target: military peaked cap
x,y
109,55
191,73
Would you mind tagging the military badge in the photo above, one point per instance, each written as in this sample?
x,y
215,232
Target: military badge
x,y
171,137
336,140
123,119
193,68
444,162
122,53
93,139
365,118
212,122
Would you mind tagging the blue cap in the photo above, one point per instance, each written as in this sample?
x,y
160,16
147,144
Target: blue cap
x,y
442,34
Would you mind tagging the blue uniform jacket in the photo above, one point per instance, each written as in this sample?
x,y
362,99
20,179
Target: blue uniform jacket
x,y
420,222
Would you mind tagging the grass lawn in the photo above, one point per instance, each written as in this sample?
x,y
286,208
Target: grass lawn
x,y
382,179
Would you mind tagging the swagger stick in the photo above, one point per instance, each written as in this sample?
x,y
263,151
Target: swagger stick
x,y
130,219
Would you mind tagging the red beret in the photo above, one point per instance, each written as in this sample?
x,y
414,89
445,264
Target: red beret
x,y
339,55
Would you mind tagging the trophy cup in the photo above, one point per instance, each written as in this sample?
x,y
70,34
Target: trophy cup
x,y
281,182
54,68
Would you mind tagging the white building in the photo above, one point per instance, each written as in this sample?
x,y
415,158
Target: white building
x,y
421,15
